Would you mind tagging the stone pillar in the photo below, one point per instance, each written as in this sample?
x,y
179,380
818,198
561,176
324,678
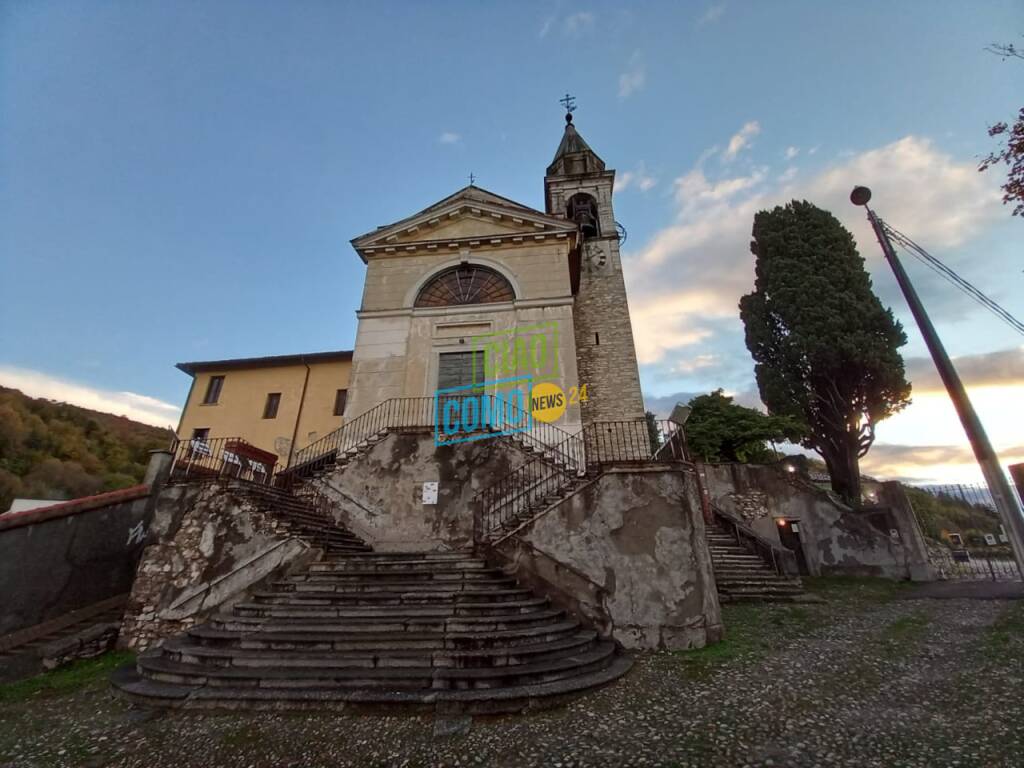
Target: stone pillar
x,y
159,468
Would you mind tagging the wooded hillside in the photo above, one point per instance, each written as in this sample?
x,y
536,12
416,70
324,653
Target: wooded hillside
x,y
51,450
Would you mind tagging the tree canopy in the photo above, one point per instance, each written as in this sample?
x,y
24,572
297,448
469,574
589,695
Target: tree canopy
x,y
52,450
824,347
720,430
1011,150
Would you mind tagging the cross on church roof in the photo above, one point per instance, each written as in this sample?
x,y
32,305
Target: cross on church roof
x,y
472,178
569,102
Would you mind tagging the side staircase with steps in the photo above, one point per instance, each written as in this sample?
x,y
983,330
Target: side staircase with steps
x,y
432,630
742,575
300,518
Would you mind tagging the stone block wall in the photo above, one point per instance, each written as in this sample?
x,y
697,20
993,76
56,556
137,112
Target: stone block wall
x,y
69,556
605,352
205,546
627,553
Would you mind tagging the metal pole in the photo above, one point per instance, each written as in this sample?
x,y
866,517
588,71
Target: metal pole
x,y
1006,504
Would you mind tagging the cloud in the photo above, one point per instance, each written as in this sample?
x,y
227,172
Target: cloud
x,y
142,408
449,137
741,140
577,23
545,28
929,463
686,279
633,78
638,179
791,152
711,14
1003,367
699,265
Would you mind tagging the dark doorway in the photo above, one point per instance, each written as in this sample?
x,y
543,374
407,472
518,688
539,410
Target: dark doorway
x,y
789,536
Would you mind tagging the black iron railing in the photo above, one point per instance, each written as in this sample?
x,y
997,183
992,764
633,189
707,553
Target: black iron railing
x,y
636,440
390,415
540,482
522,491
198,459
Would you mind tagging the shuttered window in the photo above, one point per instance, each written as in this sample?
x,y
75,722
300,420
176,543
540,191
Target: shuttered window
x,y
456,369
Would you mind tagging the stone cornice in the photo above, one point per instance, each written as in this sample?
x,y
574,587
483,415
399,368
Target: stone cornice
x,y
466,309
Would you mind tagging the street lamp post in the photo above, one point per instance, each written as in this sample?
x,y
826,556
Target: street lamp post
x,y
1002,496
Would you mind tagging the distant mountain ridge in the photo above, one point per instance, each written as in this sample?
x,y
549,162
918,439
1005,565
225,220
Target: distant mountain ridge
x,y
53,450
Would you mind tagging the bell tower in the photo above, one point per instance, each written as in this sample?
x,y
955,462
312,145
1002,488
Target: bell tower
x,y
577,187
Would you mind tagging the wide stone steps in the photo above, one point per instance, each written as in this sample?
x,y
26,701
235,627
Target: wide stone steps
x,y
390,598
429,629
483,701
307,623
299,610
594,657
324,583
183,649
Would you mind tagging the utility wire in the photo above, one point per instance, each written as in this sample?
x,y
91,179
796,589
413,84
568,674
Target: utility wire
x,y
946,272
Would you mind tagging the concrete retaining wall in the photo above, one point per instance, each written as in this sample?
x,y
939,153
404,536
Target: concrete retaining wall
x,y
627,553
836,539
68,556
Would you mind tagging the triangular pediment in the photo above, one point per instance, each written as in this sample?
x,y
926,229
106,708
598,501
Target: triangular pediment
x,y
471,214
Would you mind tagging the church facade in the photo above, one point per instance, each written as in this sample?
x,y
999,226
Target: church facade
x,y
476,269
472,290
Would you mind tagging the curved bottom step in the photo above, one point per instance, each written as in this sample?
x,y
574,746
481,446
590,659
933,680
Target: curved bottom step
x,y
128,683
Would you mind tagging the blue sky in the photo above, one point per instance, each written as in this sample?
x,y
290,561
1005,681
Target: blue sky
x,y
180,180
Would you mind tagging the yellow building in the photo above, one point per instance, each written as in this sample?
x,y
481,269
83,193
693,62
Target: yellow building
x,y
279,404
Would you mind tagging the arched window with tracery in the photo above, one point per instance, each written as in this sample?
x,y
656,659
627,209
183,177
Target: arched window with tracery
x,y
465,284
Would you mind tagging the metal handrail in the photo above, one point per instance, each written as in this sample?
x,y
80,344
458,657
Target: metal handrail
x,y
779,557
395,413
597,446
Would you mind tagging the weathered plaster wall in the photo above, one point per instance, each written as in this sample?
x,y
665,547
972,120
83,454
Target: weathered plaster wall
x,y
69,556
379,494
836,539
206,546
627,552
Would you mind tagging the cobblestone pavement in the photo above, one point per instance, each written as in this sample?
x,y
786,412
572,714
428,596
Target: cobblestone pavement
x,y
856,681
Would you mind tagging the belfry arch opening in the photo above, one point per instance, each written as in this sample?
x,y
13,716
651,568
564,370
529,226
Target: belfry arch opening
x,y
582,208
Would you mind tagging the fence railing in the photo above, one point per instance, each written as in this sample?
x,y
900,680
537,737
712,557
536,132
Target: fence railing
x,y
975,494
197,459
393,414
540,481
960,564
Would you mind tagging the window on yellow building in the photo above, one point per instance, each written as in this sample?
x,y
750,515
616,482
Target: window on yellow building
x,y
339,402
270,409
213,390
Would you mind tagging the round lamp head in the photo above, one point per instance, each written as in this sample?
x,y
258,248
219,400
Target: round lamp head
x,y
860,196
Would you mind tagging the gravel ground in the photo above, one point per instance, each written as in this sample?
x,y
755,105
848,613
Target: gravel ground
x,y
860,680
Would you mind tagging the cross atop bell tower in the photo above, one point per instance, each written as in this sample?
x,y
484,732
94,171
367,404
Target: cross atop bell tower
x,y
579,188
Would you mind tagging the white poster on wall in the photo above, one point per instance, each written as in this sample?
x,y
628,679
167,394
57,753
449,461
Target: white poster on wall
x,y
430,493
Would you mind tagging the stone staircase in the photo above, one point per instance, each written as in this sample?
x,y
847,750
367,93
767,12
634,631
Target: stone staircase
x,y
298,517
433,630
741,575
